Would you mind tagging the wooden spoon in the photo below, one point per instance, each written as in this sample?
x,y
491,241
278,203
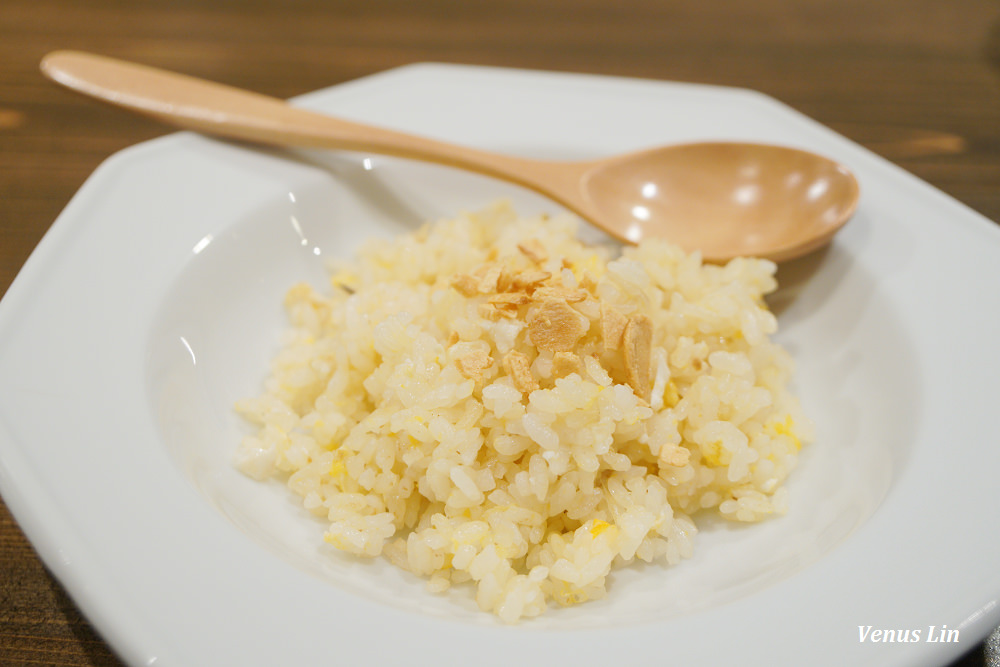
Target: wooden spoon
x,y
724,199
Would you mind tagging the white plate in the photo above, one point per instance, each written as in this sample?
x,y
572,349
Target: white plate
x,y
154,303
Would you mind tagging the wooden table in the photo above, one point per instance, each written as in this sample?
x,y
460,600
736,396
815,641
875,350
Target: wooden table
x,y
917,81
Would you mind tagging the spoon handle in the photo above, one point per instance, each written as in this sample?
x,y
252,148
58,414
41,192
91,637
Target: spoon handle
x,y
214,108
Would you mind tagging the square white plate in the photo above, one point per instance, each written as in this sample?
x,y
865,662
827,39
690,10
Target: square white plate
x,y
154,302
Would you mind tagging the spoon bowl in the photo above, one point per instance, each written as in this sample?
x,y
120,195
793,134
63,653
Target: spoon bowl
x,y
727,199
724,200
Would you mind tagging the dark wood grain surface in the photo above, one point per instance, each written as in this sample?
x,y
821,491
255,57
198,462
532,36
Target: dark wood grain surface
x,y
917,81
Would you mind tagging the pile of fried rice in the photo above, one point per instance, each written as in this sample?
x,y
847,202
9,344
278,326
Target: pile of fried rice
x,y
489,400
